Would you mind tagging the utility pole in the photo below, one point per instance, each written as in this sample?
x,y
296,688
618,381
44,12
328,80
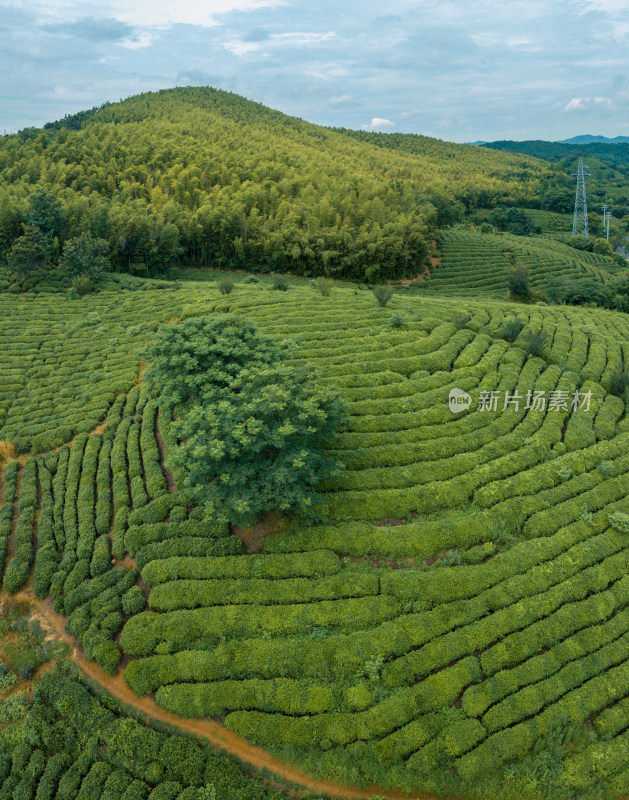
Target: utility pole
x,y
580,222
606,217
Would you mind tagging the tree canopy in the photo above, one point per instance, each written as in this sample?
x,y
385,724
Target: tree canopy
x,y
251,424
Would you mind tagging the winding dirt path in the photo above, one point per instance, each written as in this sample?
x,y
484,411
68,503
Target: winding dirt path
x,y
212,732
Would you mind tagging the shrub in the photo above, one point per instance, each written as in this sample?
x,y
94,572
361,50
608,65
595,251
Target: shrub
x,y
133,601
250,279
511,329
107,654
358,698
397,321
618,381
324,285
383,294
279,283
8,451
535,343
518,284
83,284
225,285
620,521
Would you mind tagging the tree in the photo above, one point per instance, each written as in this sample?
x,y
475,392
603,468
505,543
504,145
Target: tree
x,y
259,448
196,360
603,247
46,212
518,283
383,294
31,251
84,255
251,423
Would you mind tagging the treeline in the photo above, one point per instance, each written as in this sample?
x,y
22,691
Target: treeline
x,y
206,178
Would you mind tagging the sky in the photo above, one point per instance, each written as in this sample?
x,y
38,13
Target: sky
x,y
461,70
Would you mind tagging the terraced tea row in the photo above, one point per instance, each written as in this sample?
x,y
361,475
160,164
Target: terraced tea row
x,y
464,595
477,264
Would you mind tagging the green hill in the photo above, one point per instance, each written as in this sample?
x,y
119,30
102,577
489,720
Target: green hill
x,y
607,163
211,179
455,620
478,263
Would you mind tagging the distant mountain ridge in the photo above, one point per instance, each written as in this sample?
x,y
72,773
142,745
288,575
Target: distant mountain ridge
x,y
589,139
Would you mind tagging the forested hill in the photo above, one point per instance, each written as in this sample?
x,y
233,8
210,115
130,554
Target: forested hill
x,y
607,162
209,178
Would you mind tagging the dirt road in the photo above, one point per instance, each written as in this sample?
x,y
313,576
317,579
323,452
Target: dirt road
x,y
211,731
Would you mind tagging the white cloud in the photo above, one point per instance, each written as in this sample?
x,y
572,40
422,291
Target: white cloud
x,y
301,38
144,39
588,103
149,13
239,48
377,123
342,100
414,112
609,6
495,39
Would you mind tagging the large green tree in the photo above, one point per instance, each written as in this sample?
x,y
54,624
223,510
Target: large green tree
x,y
251,424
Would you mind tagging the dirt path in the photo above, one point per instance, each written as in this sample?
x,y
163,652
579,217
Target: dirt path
x,y
212,732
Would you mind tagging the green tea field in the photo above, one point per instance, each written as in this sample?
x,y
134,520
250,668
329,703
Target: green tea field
x,y
475,263
457,621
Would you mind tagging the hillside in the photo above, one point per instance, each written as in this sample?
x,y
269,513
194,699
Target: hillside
x,y
452,617
476,263
463,600
208,178
607,163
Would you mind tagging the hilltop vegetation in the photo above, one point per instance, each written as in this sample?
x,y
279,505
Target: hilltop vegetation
x,y
211,179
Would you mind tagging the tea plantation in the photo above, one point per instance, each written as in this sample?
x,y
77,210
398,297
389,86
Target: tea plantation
x,y
68,743
458,620
475,263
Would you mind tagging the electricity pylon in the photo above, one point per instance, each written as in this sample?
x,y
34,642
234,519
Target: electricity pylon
x,y
580,222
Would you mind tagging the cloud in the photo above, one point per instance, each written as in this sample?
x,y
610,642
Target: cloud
x,y
589,103
475,70
377,123
342,100
196,77
239,48
94,29
301,38
414,112
154,13
256,35
142,39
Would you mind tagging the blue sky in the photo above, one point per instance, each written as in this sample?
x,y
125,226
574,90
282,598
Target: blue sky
x,y
457,69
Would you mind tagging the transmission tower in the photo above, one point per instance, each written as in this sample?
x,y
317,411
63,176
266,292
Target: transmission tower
x,y
580,223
